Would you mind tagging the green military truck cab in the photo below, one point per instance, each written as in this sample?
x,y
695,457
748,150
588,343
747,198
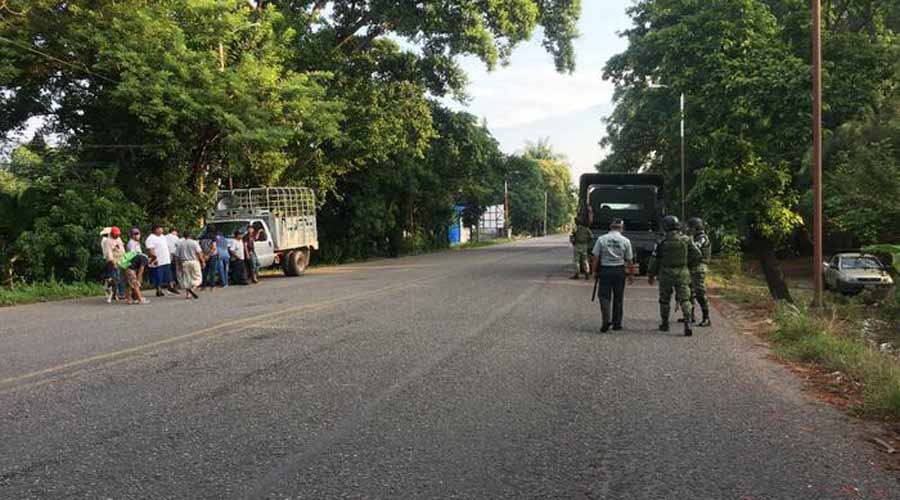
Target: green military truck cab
x,y
637,199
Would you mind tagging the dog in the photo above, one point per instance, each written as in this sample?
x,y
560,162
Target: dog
x,y
111,294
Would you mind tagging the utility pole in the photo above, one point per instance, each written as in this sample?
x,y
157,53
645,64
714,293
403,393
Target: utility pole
x,y
817,149
506,218
545,213
683,169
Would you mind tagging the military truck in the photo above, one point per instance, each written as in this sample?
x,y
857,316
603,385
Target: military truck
x,y
284,218
637,199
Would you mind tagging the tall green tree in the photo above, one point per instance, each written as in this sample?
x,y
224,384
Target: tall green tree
x,y
558,186
743,66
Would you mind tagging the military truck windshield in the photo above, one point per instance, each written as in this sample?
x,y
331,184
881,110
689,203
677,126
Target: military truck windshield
x,y
633,204
622,206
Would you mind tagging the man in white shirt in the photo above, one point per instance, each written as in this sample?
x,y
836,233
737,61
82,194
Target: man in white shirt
x,y
612,253
236,249
160,260
172,239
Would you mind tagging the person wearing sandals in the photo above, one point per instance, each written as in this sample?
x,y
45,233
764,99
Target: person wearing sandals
x,y
191,259
134,275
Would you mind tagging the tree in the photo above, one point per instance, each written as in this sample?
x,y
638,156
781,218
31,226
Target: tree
x,y
178,98
555,171
742,65
526,194
862,181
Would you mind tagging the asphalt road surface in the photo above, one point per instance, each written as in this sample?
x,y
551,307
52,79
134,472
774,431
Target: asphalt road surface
x,y
476,374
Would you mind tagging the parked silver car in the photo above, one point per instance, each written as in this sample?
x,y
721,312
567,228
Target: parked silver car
x,y
852,273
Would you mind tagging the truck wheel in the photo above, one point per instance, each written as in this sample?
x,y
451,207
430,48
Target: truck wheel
x,y
297,262
285,264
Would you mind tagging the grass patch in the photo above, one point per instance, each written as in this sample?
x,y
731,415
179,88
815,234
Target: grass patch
x,y
481,244
805,337
835,340
728,279
47,292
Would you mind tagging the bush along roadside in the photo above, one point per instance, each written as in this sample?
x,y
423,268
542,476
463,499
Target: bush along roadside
x,y
806,337
47,291
837,341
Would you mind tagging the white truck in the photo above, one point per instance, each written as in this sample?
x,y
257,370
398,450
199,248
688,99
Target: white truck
x,y
283,217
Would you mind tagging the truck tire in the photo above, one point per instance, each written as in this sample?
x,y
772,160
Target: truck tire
x,y
285,259
296,262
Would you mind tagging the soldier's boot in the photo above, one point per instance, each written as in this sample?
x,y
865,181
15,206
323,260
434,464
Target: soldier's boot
x,y
688,331
664,315
705,322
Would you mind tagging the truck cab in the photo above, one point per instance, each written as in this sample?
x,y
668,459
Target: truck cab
x,y
264,246
637,199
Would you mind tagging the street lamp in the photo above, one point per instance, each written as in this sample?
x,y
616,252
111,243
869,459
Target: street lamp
x,y
681,107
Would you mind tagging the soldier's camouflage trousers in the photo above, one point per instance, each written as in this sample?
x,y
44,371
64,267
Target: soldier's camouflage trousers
x,y
698,289
581,261
677,280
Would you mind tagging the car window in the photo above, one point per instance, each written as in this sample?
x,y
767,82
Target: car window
x,y
860,263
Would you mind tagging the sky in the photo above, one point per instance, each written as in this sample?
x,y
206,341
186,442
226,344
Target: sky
x,y
528,100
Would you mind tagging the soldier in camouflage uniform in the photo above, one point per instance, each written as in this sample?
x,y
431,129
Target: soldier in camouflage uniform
x,y
581,239
698,274
671,261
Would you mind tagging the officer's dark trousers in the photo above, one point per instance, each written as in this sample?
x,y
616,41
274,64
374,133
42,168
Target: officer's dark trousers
x,y
612,293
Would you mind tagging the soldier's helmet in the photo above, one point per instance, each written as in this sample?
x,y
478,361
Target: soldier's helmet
x,y
671,223
695,224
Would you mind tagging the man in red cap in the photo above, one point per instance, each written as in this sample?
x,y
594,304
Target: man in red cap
x,y
113,251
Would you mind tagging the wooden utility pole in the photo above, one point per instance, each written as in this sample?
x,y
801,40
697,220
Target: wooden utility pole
x,y
545,213
506,218
817,149
683,169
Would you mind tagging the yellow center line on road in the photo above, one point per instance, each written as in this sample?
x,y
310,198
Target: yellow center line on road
x,y
210,331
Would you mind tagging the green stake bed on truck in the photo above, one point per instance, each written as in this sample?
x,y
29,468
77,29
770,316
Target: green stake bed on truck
x,y
638,199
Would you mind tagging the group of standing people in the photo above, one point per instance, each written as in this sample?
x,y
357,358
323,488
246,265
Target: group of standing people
x,y
230,260
176,260
679,262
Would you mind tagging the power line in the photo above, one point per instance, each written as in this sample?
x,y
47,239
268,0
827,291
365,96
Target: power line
x,y
31,48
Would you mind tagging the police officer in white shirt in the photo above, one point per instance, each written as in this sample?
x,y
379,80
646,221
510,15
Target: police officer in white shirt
x,y
612,253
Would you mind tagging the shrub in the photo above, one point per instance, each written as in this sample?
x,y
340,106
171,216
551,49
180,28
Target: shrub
x,y
804,337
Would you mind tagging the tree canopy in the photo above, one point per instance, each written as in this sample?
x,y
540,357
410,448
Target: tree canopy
x,y
170,100
744,68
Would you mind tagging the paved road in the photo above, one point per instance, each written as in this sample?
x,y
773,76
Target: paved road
x,y
476,374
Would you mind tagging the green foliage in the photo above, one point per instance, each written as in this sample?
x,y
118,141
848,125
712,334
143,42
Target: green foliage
x,y
801,336
751,197
892,250
23,293
60,214
561,197
862,177
526,195
743,67
184,97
